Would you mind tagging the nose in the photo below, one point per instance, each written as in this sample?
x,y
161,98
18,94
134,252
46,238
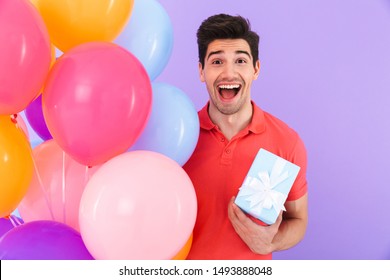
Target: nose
x,y
229,70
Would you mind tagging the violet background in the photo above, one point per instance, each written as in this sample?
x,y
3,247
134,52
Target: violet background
x,y
325,70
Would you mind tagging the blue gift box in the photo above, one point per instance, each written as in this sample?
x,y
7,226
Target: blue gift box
x,y
266,186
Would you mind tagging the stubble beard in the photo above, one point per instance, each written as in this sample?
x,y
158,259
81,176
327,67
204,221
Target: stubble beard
x,y
229,109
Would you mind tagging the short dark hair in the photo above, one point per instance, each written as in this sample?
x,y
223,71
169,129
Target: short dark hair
x,y
223,26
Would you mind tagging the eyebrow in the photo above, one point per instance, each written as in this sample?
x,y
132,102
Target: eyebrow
x,y
237,52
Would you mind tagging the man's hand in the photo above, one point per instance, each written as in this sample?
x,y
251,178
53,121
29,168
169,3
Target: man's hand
x,y
258,238
285,233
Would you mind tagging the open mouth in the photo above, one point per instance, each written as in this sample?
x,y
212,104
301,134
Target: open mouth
x,y
228,91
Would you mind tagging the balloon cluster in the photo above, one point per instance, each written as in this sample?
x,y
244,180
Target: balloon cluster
x,y
107,180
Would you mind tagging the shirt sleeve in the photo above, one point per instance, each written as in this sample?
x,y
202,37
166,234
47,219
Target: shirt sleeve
x,y
299,157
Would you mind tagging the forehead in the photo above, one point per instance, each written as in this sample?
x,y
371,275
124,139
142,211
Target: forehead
x,y
228,46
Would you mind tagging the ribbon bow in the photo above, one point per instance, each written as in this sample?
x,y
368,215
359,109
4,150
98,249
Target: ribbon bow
x,y
260,191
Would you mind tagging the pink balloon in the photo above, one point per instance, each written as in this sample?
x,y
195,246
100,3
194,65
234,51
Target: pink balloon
x,y
138,205
96,101
56,188
25,55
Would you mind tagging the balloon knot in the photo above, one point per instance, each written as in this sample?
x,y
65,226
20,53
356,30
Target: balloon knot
x,y
14,118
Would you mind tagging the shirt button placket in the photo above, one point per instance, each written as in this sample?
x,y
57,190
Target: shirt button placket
x,y
227,155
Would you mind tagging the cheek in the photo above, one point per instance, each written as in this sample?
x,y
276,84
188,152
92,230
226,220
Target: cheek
x,y
207,79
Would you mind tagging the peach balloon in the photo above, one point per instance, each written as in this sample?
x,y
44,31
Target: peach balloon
x,y
56,188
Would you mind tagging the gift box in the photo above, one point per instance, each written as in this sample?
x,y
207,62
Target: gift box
x,y
266,186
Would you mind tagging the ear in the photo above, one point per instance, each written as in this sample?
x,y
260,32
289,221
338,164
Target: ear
x,y
257,70
201,76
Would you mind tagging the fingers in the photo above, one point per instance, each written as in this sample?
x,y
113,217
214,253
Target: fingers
x,y
272,229
238,218
231,205
236,212
279,219
232,214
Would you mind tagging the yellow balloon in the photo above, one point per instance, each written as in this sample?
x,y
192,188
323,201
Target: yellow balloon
x,y
183,253
73,22
16,165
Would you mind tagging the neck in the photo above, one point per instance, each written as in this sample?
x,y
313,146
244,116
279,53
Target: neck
x,y
230,125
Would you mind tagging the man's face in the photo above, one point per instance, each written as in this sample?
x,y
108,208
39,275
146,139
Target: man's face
x,y
228,73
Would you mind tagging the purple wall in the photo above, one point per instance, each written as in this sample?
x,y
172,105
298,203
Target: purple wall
x,y
326,72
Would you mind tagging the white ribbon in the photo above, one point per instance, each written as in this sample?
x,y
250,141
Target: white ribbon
x,y
260,191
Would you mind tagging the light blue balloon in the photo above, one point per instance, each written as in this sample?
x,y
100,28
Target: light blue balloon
x,y
173,126
149,36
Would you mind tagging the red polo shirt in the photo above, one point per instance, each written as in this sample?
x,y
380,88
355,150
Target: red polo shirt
x,y
217,169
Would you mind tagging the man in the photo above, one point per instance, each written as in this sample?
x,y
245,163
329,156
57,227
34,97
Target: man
x,y
233,129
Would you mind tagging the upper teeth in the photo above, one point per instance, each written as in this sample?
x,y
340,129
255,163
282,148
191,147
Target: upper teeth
x,y
229,86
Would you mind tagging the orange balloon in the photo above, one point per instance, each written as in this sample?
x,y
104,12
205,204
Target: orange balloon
x,y
53,55
74,22
183,253
16,165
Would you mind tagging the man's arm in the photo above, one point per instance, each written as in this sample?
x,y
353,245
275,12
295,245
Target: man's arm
x,y
286,232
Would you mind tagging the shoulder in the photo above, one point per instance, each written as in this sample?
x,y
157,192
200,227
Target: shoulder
x,y
285,142
280,138
274,127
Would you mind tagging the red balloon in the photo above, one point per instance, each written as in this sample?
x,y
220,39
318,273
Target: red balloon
x,y
96,101
25,55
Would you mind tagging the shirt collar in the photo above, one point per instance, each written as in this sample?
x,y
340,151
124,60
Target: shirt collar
x,y
257,125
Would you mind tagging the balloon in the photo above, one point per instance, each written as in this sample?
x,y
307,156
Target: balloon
x,y
16,213
183,253
52,55
74,22
43,240
149,36
56,188
24,55
96,101
138,205
173,126
6,224
35,118
16,165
